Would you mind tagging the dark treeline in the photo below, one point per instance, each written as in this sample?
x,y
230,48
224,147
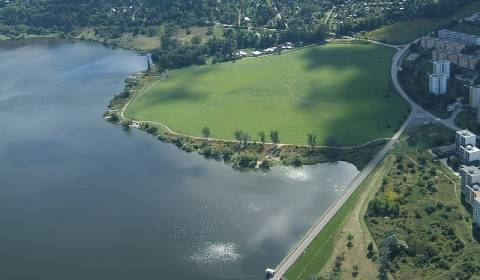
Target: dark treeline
x,y
172,54
413,8
64,15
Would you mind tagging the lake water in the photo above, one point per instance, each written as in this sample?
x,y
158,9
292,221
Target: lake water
x,y
82,199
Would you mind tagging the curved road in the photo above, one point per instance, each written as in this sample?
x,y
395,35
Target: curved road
x,y
417,113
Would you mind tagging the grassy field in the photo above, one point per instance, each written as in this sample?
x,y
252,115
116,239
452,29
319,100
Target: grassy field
x,y
339,90
406,31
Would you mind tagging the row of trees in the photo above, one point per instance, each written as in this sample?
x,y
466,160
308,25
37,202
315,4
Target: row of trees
x,y
244,137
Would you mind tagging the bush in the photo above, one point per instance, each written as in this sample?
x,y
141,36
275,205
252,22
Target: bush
x,y
380,207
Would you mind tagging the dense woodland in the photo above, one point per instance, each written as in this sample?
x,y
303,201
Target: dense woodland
x,y
273,21
124,15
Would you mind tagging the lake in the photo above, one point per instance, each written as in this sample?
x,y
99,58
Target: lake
x,y
82,199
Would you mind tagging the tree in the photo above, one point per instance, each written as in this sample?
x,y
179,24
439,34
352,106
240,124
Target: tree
x,y
206,132
355,271
370,250
274,137
238,135
262,137
312,140
242,137
350,239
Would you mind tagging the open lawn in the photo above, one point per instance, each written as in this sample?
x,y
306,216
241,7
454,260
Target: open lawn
x,y
406,31
339,90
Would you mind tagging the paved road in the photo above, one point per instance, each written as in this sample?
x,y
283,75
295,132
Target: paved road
x,y
417,113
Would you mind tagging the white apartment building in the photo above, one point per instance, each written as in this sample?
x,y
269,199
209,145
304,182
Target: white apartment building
x,y
469,154
472,192
463,38
438,84
464,138
476,211
475,96
470,175
442,68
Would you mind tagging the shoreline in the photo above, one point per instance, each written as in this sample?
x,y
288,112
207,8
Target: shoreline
x,y
77,38
241,155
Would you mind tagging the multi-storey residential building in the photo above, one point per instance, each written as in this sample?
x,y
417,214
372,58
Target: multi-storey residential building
x,y
469,154
464,138
476,211
440,55
475,96
453,47
471,193
428,42
438,84
442,67
464,61
441,45
470,175
473,62
463,38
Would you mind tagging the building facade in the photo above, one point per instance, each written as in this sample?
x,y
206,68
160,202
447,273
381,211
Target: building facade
x,y
464,61
476,211
469,175
475,96
441,45
469,154
442,67
438,84
458,37
464,138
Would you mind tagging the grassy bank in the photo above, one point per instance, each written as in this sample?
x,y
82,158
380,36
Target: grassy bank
x,y
329,90
322,250
406,31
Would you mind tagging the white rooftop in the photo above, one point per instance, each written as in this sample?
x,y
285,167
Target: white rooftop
x,y
465,133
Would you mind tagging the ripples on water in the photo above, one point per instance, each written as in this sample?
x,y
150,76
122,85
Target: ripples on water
x,y
299,174
211,254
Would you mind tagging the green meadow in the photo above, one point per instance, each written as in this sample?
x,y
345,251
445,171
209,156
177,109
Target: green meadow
x,y
339,90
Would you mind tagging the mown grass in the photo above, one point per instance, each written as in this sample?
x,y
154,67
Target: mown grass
x,y
339,90
403,32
